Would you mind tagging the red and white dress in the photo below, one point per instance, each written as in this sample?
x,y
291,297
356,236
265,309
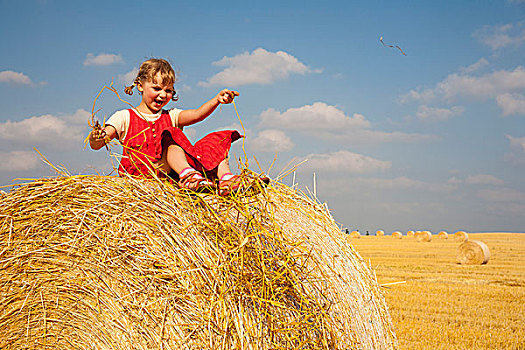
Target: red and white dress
x,y
144,137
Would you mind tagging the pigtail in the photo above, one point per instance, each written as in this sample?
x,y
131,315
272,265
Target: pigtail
x,y
129,89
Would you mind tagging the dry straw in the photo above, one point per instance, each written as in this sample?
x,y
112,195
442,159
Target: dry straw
x,y
460,236
423,236
380,233
397,235
355,234
95,262
410,234
443,235
473,253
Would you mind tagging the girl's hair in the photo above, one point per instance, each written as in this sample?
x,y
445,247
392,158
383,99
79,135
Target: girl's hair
x,y
148,71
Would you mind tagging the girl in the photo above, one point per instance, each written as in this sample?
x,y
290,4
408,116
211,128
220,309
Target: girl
x,y
153,141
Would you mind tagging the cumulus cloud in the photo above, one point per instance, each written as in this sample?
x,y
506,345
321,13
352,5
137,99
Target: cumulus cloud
x,y
511,104
501,36
103,59
11,77
324,121
19,161
129,77
258,67
313,117
272,141
488,85
346,161
48,129
482,62
483,179
518,142
437,114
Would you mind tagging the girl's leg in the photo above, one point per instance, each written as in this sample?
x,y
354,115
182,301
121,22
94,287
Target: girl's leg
x,y
175,159
223,168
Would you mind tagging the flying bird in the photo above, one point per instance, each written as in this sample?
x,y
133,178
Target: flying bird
x,y
397,47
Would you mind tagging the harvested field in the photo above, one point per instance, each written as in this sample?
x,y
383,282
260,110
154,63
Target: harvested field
x,y
445,305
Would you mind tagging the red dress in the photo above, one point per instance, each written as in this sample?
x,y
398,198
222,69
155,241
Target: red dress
x,y
145,141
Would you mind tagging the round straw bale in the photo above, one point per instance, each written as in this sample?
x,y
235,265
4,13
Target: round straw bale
x,y
355,234
410,234
423,236
397,234
380,233
95,262
460,236
443,235
473,253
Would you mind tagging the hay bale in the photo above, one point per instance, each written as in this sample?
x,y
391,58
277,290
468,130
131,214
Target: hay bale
x,y
461,236
93,262
410,234
473,253
355,234
423,236
380,233
397,235
443,235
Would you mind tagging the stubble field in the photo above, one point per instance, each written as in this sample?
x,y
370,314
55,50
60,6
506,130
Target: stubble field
x,y
436,303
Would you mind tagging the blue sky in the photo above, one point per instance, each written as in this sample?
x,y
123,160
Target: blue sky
x,y
434,140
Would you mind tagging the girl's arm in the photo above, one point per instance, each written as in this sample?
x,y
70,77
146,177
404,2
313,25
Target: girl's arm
x,y
99,137
192,116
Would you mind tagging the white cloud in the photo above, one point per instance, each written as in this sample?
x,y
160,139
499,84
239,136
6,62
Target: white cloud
x,y
19,161
313,117
518,142
329,122
46,128
103,59
502,195
437,114
497,37
129,77
257,67
272,141
511,104
482,62
8,76
483,179
346,161
421,95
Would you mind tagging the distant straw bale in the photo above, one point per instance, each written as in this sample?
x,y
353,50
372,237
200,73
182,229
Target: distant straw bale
x,y
410,234
473,253
380,233
460,236
355,234
93,262
423,236
397,235
443,235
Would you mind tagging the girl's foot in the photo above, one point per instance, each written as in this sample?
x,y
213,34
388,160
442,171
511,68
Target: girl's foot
x,y
193,180
230,184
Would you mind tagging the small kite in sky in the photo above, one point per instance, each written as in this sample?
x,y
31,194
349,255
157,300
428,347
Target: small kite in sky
x,y
397,47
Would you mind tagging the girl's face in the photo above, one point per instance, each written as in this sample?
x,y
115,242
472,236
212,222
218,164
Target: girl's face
x,y
155,95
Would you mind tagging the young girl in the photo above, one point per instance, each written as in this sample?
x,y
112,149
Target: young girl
x,y
153,141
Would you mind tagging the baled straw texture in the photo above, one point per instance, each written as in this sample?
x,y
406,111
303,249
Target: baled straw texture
x,y
355,234
93,262
397,234
460,236
380,233
443,235
473,253
410,234
423,236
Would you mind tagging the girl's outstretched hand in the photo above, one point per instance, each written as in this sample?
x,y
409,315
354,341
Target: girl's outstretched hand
x,y
226,96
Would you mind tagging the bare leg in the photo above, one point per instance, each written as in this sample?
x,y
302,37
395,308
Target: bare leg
x,y
223,168
174,159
